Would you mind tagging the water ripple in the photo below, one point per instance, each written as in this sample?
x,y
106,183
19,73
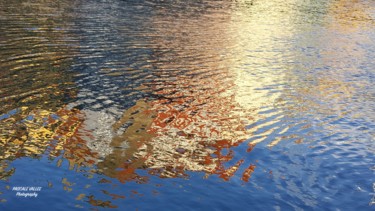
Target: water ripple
x,y
135,91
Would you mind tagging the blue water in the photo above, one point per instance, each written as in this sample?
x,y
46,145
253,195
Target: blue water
x,y
187,105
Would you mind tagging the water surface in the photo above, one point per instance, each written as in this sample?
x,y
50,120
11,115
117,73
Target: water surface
x,y
181,105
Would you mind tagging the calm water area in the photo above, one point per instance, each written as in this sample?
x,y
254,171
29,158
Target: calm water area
x,y
187,105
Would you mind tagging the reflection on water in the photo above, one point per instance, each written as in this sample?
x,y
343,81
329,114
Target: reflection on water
x,y
273,97
191,114
34,81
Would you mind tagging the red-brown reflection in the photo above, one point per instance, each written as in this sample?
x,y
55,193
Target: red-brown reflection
x,y
193,117
73,147
170,137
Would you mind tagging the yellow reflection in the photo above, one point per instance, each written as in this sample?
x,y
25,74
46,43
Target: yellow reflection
x,y
31,134
213,79
262,55
194,116
35,84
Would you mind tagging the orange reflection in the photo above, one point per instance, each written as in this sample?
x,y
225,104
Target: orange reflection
x,y
193,116
247,174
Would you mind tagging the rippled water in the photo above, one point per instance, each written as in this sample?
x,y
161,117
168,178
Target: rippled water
x,y
187,105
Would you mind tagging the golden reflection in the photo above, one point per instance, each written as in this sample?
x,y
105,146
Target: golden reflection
x,y
32,134
349,15
36,85
211,82
262,61
35,57
193,117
